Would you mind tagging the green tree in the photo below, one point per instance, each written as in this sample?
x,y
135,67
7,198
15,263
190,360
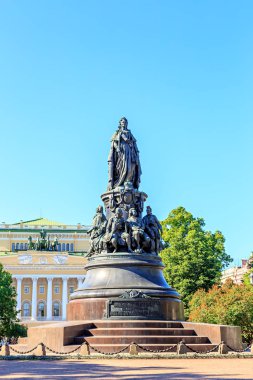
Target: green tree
x,y
193,258
8,313
229,304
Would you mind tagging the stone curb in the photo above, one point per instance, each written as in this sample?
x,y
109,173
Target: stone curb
x,y
126,356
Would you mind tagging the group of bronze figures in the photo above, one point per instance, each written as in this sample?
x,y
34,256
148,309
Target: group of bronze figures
x,y
119,234
43,243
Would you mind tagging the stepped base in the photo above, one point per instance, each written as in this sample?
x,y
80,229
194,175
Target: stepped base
x,y
112,336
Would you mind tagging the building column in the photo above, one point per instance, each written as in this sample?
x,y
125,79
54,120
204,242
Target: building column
x,y
49,298
19,292
34,298
80,282
64,297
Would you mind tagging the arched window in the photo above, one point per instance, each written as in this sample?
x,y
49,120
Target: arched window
x,y
56,309
71,247
17,245
26,309
21,246
13,247
67,247
41,308
63,247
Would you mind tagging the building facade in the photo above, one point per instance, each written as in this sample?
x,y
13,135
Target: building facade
x,y
236,273
72,238
44,280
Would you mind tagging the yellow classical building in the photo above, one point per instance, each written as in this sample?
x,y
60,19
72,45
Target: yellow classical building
x,y
44,279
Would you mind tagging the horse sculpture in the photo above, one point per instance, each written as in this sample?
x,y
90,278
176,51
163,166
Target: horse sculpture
x,y
43,243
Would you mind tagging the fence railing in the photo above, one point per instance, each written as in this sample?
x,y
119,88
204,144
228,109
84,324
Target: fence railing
x,y
85,349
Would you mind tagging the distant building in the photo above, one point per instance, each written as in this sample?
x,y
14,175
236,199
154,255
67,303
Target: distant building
x,y
44,280
236,273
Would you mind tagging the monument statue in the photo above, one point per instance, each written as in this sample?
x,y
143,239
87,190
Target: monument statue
x,y
124,284
124,278
123,160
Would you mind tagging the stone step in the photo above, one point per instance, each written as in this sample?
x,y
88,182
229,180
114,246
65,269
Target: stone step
x,y
137,324
144,339
108,348
137,331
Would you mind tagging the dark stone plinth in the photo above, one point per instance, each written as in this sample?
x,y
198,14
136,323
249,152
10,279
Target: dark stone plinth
x,y
125,286
91,309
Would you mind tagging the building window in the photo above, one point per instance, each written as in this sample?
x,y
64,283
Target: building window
x,y
57,289
41,309
21,246
42,289
71,247
71,289
26,289
59,248
26,309
56,309
17,245
13,247
63,247
26,246
67,247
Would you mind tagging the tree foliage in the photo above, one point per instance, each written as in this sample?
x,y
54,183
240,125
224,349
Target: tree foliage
x,y
194,258
8,313
229,304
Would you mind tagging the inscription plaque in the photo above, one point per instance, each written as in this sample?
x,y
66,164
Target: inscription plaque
x,y
134,309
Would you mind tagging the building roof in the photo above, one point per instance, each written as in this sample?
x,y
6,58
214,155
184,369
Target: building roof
x,y
40,222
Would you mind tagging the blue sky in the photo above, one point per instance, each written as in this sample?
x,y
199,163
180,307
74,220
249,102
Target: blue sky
x,y
180,71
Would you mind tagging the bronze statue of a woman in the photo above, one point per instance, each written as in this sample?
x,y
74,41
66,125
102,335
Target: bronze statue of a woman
x,y
123,160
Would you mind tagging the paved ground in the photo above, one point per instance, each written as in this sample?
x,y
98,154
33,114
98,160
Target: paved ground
x,y
149,369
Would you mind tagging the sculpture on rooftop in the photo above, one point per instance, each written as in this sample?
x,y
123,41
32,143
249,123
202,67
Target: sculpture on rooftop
x,y
42,243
